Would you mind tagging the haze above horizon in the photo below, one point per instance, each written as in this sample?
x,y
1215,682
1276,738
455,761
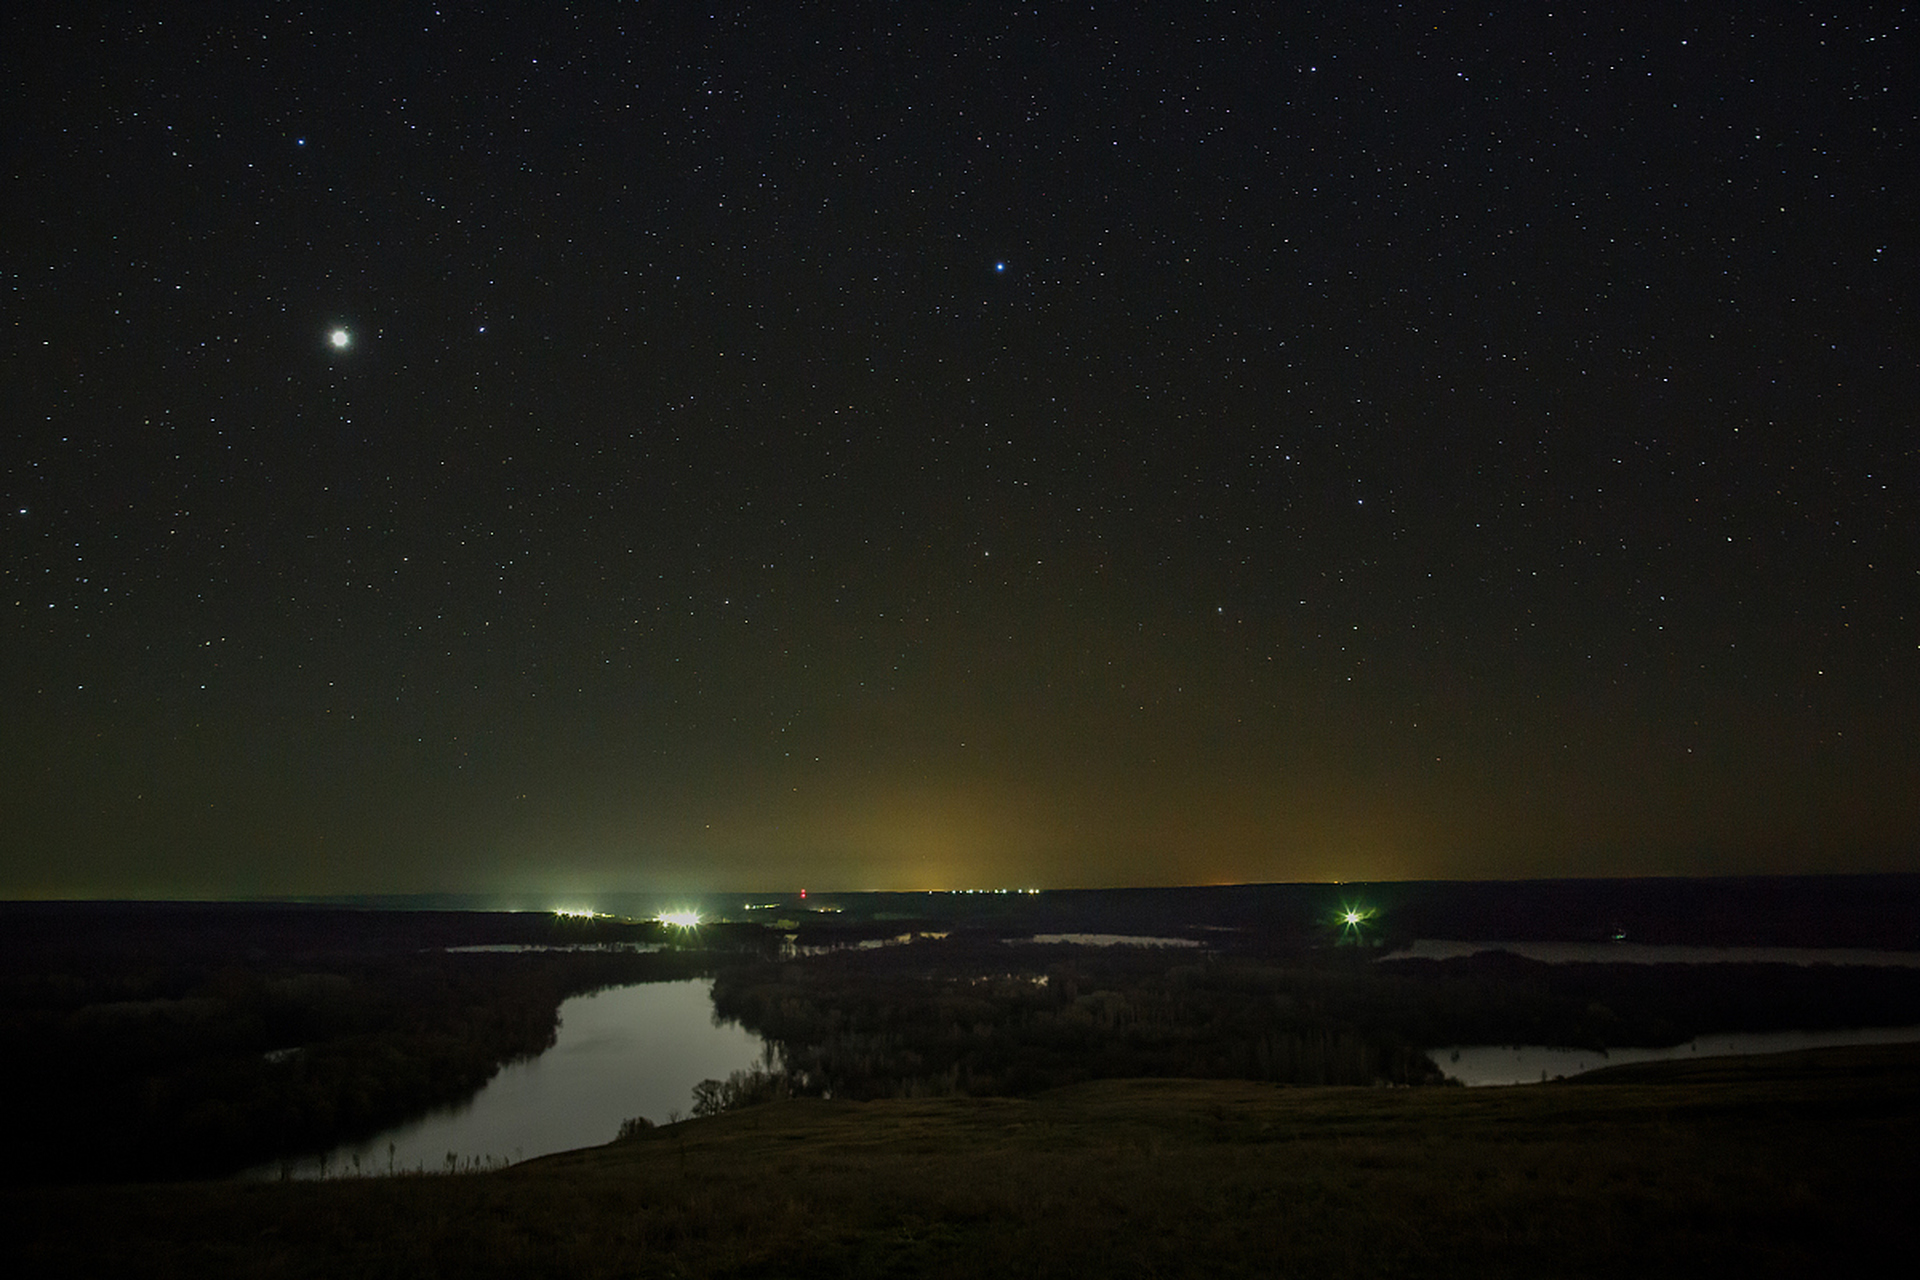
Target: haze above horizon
x,y
643,447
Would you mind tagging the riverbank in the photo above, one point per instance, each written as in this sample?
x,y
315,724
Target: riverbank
x,y
1787,1165
620,1052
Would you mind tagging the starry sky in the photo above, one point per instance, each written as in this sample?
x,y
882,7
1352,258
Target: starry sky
x,y
891,446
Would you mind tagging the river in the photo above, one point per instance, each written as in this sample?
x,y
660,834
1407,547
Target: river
x,y
1654,953
1489,1064
622,1052
639,1050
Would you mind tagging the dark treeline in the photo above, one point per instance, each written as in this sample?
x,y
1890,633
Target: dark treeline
x,y
970,1014
169,1042
1500,998
1876,911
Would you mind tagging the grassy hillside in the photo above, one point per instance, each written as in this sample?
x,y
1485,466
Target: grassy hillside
x,y
1792,1165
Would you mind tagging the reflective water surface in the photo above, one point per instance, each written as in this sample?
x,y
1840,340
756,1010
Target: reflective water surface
x,y
1110,940
1654,953
626,1051
1487,1064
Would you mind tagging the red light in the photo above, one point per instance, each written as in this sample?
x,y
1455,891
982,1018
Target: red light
x,y
803,893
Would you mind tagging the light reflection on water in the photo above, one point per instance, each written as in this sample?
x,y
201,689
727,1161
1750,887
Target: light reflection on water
x,y
1654,953
1488,1064
1106,940
627,1051
520,947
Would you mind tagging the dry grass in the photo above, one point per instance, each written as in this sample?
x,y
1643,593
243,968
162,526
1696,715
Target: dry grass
x,y
1773,1167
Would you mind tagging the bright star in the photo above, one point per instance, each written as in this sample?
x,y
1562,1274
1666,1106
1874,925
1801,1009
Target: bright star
x,y
340,339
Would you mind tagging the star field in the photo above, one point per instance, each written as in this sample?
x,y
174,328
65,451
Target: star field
x,y
640,446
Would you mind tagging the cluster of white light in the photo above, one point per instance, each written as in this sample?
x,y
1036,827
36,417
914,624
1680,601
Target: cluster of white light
x,y
679,919
575,913
987,891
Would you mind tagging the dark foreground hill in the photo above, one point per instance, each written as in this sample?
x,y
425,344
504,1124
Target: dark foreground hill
x,y
1796,1165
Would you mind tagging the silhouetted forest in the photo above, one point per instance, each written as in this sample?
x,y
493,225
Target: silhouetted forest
x,y
969,1014
145,1042
1876,911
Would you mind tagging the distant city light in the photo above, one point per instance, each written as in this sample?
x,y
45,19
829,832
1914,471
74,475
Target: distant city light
x,y
575,913
680,919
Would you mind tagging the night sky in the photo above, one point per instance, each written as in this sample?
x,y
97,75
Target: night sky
x,y
897,446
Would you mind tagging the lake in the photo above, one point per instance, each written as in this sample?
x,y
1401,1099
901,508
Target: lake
x,y
626,1051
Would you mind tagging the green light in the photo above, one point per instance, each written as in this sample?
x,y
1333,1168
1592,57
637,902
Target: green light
x,y
1352,918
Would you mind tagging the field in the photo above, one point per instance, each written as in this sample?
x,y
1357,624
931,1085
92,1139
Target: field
x,y
1801,1164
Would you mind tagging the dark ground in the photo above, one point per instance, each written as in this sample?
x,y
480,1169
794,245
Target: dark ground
x,y
1797,1165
